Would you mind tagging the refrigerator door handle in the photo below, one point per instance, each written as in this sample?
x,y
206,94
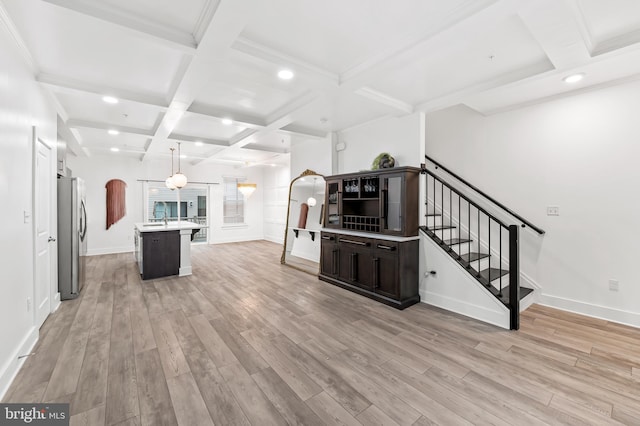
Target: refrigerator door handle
x,y
83,221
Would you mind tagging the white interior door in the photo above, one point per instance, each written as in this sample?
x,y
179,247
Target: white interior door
x,y
43,197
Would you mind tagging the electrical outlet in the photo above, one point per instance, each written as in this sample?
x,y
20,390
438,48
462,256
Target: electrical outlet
x,y
27,217
553,211
28,304
614,285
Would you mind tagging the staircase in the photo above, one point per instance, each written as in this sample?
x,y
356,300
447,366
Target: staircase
x,y
481,245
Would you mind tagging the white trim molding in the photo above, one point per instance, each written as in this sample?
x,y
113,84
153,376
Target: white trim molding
x,y
12,366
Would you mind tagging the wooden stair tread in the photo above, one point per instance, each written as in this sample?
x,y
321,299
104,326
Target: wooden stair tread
x,y
473,256
440,227
504,298
491,274
456,241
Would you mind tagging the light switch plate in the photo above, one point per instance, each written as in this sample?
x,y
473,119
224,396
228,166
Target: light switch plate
x,y
553,211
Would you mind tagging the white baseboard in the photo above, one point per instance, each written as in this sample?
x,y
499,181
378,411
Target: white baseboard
x,y
237,240
273,239
56,302
500,319
110,250
589,309
12,365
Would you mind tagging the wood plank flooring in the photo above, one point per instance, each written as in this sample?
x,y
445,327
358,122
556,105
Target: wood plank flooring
x,y
248,341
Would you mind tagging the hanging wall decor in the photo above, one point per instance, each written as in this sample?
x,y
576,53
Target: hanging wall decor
x,y
116,204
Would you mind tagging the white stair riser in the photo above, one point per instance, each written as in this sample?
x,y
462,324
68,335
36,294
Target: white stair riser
x,y
434,220
447,234
464,248
505,282
484,264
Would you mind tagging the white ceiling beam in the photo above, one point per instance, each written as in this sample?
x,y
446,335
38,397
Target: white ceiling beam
x,y
384,99
283,116
62,84
7,23
280,60
74,123
72,142
151,30
246,120
458,96
278,119
241,139
227,22
206,141
267,148
554,26
304,131
471,18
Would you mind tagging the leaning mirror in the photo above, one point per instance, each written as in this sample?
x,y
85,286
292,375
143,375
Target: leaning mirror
x,y
304,221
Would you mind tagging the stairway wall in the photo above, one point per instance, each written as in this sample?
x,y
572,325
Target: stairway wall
x,y
579,153
454,289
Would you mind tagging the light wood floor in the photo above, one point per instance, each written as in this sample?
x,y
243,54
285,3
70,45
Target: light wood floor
x,y
245,340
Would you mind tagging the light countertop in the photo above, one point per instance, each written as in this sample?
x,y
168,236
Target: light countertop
x,y
171,226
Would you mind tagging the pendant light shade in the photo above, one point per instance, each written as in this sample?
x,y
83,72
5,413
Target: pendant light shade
x,y
179,180
169,183
246,189
311,201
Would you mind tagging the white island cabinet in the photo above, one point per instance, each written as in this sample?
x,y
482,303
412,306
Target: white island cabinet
x,y
164,250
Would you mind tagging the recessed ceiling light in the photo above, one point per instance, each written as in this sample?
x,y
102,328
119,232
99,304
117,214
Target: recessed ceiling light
x,y
110,99
198,143
113,132
285,74
114,149
227,121
183,156
574,78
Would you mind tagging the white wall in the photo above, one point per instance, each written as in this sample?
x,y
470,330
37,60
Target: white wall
x,y
98,170
399,136
578,153
276,196
22,105
313,154
253,228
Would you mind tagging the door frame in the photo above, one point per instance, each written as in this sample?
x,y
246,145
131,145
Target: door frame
x,y
54,294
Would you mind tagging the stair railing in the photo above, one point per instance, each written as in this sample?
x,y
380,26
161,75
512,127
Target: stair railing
x,y
524,222
456,210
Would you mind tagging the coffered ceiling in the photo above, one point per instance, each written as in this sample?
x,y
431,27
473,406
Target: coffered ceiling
x,y
205,72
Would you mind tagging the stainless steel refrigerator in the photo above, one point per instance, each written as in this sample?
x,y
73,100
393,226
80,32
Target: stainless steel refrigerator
x,y
72,237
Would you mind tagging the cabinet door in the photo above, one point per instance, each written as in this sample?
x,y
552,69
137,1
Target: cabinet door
x,y
392,204
355,262
161,254
332,204
385,259
329,255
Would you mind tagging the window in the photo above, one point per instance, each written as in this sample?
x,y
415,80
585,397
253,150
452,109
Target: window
x,y
233,201
171,208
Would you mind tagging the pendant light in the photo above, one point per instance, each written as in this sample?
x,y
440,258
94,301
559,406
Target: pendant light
x,y
179,180
247,189
169,181
311,201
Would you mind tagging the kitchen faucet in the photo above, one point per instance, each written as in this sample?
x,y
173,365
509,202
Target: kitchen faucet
x,y
165,212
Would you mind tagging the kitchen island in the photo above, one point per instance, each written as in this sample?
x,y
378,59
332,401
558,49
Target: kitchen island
x,y
164,249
